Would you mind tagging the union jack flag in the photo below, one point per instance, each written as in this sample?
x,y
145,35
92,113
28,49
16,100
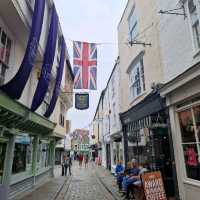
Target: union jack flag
x,y
85,65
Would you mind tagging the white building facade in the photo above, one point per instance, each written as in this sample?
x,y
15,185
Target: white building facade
x,y
180,47
28,143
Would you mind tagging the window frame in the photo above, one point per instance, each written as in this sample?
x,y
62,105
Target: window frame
x,y
62,115
132,27
193,26
5,60
139,77
190,107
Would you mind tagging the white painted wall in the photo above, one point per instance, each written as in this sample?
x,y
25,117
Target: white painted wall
x,y
178,55
147,19
176,41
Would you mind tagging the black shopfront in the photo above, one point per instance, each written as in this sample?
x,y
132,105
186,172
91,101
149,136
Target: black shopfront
x,y
147,138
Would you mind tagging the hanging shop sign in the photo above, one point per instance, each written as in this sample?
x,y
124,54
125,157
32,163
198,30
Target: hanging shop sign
x,y
153,186
82,101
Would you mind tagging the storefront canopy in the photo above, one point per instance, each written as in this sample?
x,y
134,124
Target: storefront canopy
x,y
146,113
16,117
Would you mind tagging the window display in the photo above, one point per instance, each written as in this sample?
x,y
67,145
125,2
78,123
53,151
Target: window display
x,y
43,155
22,154
190,132
19,161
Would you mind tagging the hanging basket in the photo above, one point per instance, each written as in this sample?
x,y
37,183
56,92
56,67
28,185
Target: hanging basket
x,y
93,136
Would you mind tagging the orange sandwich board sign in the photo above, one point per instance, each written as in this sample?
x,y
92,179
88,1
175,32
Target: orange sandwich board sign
x,y
153,186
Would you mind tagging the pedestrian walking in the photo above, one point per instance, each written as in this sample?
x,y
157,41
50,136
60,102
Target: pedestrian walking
x,y
67,163
86,160
80,160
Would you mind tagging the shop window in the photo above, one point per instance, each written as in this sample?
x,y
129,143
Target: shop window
x,y
19,161
22,154
190,132
43,155
187,126
2,158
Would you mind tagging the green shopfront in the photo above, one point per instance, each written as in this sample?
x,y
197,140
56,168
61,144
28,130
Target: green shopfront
x,y
27,148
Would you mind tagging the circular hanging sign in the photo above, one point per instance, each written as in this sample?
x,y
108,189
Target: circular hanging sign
x,y
93,136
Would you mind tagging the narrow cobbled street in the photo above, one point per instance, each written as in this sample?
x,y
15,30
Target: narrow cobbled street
x,y
93,182
86,184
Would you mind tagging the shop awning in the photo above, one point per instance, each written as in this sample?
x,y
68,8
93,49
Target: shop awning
x,y
17,117
149,112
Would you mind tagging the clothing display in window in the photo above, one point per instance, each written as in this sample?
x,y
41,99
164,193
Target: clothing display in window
x,y
191,157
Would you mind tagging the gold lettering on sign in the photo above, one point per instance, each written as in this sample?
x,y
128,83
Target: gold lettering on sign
x,y
153,186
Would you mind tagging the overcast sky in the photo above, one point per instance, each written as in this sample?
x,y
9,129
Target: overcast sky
x,y
91,21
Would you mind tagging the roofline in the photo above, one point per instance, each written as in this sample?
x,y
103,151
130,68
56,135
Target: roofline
x,y
103,91
164,90
101,96
123,14
116,63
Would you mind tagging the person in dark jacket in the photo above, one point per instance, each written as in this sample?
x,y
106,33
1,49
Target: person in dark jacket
x,y
67,163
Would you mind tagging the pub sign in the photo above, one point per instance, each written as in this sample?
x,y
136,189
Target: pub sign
x,y
82,101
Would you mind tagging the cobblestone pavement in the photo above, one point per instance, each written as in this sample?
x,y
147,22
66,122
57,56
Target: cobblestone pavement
x,y
48,190
91,183
85,185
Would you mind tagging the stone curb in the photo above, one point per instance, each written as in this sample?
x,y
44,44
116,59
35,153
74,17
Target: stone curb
x,y
115,196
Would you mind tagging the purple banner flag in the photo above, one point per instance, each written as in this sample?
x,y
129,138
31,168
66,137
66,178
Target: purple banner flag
x,y
47,63
16,85
56,90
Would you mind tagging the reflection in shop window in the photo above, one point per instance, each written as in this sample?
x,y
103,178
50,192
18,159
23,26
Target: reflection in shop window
x,y
189,124
22,154
43,155
2,158
197,119
19,161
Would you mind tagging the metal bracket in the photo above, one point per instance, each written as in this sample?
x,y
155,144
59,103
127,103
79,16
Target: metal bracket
x,y
174,12
138,43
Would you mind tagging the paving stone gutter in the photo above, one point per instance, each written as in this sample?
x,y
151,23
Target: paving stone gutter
x,y
107,179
